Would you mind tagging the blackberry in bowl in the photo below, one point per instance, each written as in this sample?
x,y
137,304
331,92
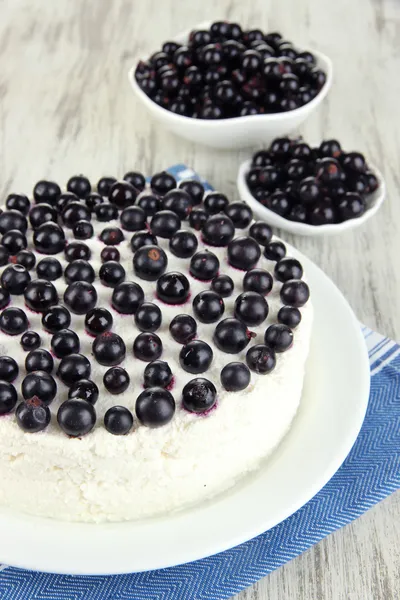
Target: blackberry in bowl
x,y
231,90
311,189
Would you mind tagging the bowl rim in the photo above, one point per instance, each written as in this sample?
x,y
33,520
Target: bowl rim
x,y
211,124
304,228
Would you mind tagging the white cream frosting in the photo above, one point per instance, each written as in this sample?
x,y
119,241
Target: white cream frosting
x,y
150,471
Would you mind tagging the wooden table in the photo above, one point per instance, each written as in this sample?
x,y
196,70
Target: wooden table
x,y
66,107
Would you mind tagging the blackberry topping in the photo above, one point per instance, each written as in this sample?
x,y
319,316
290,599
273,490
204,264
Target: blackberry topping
x,y
149,203
157,374
148,317
49,268
218,230
49,238
290,316
235,377
65,342
258,280
278,337
84,389
76,417
251,308
14,279
295,293
149,262
14,241
118,420
147,347
80,297
111,273
74,212
116,380
13,219
110,253
26,258
18,202
79,185
142,238
183,328
240,214
41,385
133,218
137,180
4,297
198,218
105,212
32,415
179,202
55,318
8,397
195,190
72,368
98,320
79,270
8,369
104,185
208,307
215,202
288,268
196,357
231,336
243,253
30,340
40,294
204,265
77,250
42,213
173,288
199,395
261,359
163,182
183,244
13,321
155,407
165,223
223,285
275,251
127,297
109,349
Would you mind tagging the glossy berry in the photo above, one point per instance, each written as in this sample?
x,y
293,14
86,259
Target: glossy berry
x,y
116,380
215,202
94,200
199,395
183,244
149,262
354,162
183,328
111,273
74,212
8,369
351,206
109,349
98,320
26,258
197,218
243,253
14,279
63,200
42,213
112,236
165,223
133,218
330,148
275,251
4,256
278,337
223,285
79,185
309,190
30,340
290,316
110,253
13,321
155,407
49,238
13,219
208,306
77,250
76,417
72,368
173,288
105,184
179,202
106,212
80,297
39,360
323,213
204,265
49,268
127,297
136,179
235,377
39,384
148,317
251,308
157,374
84,389
14,241
288,268
32,415
55,318
149,203
295,293
142,238
240,214
194,188
258,280
218,230
18,202
46,191
147,347
8,397
261,232
231,336
162,183
261,359
195,357
64,342
4,297
79,270
118,420
40,294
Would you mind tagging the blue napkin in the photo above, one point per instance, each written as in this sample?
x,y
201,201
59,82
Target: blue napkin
x,y
369,474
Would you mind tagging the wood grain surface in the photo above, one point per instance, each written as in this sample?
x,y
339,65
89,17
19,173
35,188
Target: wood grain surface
x,y
66,107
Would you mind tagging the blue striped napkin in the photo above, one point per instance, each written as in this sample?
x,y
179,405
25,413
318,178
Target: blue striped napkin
x,y
369,474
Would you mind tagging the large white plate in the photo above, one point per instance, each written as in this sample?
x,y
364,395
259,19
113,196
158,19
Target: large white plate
x,y
330,416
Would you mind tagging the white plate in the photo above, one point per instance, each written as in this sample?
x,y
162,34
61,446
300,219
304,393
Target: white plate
x,y
330,416
239,132
374,202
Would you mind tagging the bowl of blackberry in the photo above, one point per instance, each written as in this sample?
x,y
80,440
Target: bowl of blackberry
x,y
311,190
227,87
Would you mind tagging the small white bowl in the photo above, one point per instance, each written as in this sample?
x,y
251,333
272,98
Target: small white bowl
x,y
239,132
374,202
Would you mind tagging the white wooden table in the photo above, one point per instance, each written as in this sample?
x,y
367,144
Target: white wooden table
x,y
66,107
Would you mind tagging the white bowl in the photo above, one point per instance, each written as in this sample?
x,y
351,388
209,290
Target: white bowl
x,y
374,202
239,132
